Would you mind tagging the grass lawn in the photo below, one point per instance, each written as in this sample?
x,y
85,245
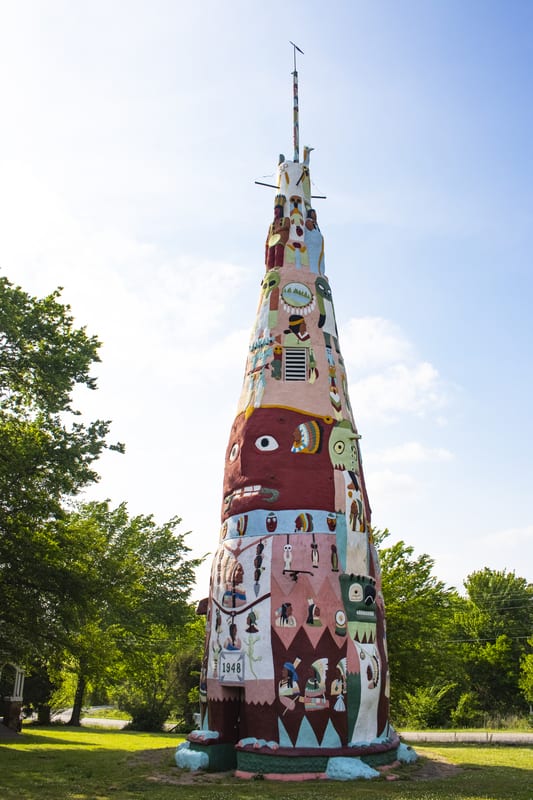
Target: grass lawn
x,y
60,763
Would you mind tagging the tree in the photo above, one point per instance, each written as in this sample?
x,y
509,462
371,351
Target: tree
x,y
495,622
164,677
526,675
420,615
133,584
47,456
186,671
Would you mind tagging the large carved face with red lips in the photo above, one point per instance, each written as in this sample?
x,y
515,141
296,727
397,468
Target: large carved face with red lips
x,y
267,468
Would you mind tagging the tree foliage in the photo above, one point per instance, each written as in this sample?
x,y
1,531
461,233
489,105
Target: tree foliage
x,y
134,579
420,612
526,675
494,623
47,456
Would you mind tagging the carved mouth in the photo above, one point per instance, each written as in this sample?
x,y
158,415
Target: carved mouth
x,y
248,492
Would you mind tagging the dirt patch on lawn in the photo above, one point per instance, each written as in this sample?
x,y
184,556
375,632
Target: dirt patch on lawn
x,y
431,766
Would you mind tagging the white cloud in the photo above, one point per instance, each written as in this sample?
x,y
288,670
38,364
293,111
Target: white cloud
x,y
371,342
398,389
386,484
394,380
411,453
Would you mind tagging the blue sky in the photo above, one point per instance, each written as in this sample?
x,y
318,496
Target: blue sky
x,y
132,134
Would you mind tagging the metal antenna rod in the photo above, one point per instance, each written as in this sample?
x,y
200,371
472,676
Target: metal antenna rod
x,y
295,124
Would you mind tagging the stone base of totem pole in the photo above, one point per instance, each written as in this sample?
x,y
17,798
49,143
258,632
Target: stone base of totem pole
x,y
221,757
286,764
283,763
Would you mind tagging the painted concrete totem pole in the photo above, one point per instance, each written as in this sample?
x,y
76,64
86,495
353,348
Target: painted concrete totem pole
x,y
295,675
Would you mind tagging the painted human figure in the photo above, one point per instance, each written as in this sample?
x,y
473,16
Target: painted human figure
x,y
326,320
314,242
297,333
232,642
288,687
277,362
313,613
268,307
315,686
255,382
314,553
251,619
287,556
284,616
296,250
338,686
235,594
278,235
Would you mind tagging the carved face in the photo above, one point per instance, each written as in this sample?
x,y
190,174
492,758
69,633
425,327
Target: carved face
x,y
270,281
359,598
263,471
343,447
323,288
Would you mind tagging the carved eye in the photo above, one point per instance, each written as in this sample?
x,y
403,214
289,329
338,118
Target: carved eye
x,y
234,452
266,444
340,618
355,593
339,447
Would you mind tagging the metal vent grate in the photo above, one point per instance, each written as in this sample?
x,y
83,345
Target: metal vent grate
x,y
295,364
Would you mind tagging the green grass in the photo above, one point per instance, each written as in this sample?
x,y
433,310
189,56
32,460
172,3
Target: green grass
x,y
93,764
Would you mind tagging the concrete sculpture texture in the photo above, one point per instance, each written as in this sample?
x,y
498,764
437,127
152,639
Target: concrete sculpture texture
x,y
295,679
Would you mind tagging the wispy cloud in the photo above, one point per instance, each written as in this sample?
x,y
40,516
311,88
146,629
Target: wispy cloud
x,y
411,453
399,389
394,380
372,342
386,483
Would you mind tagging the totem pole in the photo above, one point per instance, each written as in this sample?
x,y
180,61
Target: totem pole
x,y
295,675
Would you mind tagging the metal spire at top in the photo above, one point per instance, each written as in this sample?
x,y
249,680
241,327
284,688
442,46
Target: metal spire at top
x,y
295,124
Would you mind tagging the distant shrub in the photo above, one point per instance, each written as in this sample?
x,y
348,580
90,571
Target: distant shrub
x,y
425,707
467,713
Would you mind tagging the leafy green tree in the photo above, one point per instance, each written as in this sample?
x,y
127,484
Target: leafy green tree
x,y
495,622
186,671
148,680
525,681
134,579
163,678
420,618
467,713
423,707
47,457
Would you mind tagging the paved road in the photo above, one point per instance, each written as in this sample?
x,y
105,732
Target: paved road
x,y
474,737
96,722
99,722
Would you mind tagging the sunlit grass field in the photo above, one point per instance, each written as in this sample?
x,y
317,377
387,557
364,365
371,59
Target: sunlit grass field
x,y
60,763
